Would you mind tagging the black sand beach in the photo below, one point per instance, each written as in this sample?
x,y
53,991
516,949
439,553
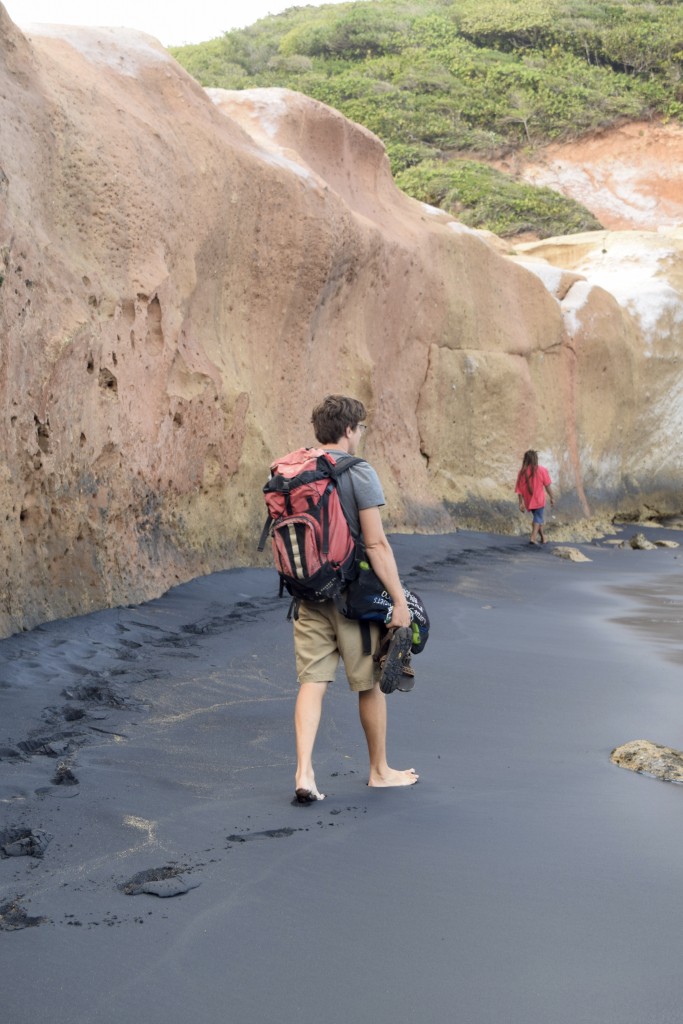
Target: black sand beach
x,y
524,880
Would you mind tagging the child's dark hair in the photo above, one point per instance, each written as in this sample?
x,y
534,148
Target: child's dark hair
x,y
529,467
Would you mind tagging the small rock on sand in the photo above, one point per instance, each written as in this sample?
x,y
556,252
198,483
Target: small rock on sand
x,y
650,759
571,554
639,542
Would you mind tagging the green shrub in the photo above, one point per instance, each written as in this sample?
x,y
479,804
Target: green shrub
x,y
482,197
404,155
508,24
361,30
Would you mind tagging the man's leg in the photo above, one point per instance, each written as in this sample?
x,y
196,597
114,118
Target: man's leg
x,y
307,712
372,707
317,657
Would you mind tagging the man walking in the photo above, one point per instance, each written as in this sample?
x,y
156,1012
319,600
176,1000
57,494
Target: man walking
x,y
322,634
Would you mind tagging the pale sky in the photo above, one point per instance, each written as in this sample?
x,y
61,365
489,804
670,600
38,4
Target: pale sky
x,y
172,22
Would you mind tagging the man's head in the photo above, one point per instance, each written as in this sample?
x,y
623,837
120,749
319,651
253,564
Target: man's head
x,y
336,415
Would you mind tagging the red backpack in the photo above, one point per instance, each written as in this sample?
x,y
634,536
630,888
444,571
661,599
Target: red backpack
x,y
313,548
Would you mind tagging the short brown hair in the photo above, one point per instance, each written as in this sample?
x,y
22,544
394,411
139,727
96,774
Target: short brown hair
x,y
334,414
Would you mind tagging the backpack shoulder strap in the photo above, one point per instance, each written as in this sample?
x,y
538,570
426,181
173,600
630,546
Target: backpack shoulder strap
x,y
366,636
344,463
264,534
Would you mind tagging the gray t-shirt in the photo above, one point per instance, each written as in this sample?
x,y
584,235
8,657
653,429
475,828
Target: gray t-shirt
x,y
359,487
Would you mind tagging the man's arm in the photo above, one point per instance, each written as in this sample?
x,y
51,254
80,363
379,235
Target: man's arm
x,y
382,560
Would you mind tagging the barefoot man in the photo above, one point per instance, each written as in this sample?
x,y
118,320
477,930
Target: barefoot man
x,y
321,633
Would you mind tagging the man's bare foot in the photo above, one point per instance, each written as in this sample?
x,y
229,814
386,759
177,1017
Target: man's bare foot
x,y
307,792
392,777
307,796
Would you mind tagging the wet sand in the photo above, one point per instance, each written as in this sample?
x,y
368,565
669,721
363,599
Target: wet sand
x,y
524,880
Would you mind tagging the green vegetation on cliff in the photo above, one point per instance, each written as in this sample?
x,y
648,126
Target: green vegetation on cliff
x,y
482,197
443,80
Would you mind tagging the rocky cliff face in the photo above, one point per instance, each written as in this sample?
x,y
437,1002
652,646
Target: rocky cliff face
x,y
184,275
629,393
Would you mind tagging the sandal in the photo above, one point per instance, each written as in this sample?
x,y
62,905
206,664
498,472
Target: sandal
x,y
393,654
407,680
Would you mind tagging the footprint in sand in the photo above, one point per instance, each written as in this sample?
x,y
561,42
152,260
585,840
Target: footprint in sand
x,y
164,882
24,842
271,833
13,917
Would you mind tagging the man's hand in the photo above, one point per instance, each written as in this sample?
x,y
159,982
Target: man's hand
x,y
400,616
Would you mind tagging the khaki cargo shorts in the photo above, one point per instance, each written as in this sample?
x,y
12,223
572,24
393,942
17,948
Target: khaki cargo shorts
x,y
322,636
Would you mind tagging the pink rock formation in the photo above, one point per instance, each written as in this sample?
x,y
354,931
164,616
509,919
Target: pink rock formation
x,y
629,177
185,275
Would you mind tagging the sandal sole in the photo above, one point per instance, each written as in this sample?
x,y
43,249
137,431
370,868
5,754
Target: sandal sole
x,y
392,671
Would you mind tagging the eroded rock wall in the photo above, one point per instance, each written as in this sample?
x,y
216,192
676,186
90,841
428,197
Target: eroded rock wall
x,y
186,274
629,385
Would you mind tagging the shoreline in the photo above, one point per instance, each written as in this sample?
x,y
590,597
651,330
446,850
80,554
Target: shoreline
x,y
513,871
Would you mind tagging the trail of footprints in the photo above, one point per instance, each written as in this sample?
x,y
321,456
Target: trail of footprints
x,y
168,881
90,700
